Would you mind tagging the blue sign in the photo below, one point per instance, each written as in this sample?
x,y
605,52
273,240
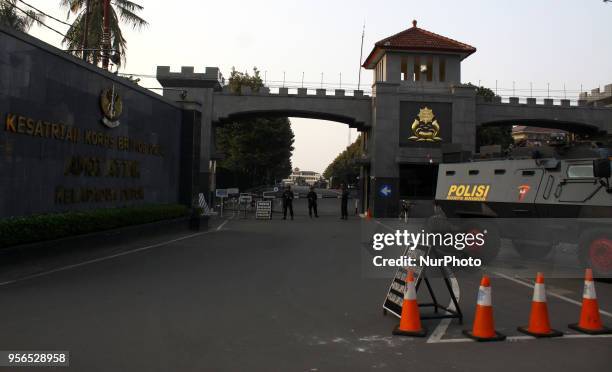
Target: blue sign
x,y
385,191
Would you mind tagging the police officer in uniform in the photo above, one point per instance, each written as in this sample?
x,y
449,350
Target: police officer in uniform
x,y
312,202
344,202
287,202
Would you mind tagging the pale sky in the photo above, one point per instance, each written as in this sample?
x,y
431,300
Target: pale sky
x,y
539,41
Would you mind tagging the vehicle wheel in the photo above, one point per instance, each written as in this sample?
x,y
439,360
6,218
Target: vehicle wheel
x,y
595,251
529,249
490,249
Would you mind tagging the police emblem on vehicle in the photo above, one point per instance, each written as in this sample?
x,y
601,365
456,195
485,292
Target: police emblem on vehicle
x,y
523,190
112,107
468,192
425,127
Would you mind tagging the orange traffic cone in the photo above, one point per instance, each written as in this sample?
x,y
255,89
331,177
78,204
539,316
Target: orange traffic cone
x,y
484,328
410,322
590,321
369,214
539,325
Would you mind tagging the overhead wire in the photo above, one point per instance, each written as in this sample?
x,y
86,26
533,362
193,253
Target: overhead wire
x,y
39,21
45,14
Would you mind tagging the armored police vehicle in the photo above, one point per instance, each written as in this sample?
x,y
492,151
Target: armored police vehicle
x,y
544,196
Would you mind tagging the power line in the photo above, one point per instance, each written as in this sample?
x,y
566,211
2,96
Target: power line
x,y
45,14
40,22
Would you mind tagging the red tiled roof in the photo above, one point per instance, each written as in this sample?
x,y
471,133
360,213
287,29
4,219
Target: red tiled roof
x,y
416,38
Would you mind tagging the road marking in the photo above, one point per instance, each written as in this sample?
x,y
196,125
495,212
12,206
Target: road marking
x,y
101,259
525,338
221,226
226,221
440,330
552,294
438,333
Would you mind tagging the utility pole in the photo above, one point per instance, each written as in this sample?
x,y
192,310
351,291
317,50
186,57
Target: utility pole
x,y
86,30
106,41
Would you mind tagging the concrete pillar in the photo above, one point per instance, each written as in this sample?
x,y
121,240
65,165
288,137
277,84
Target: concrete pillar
x,y
358,93
302,91
582,102
384,168
497,99
531,101
321,92
514,100
565,102
548,101
283,91
189,187
339,93
206,141
199,88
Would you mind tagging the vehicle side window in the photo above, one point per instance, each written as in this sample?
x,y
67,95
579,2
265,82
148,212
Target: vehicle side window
x,y
580,171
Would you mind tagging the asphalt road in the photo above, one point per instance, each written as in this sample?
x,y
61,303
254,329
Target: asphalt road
x,y
265,296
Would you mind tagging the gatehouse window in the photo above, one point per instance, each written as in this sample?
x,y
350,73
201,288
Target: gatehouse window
x,y
404,68
429,68
442,69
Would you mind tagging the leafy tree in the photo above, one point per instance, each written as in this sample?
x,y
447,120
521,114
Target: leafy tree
x,y
15,18
257,150
120,11
344,168
243,79
487,93
501,135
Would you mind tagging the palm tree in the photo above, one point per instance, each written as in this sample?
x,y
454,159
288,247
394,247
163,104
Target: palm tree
x,y
14,18
120,11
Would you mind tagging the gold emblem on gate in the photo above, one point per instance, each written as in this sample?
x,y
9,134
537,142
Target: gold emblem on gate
x,y
112,107
425,127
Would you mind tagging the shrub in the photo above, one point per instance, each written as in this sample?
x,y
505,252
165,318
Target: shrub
x,y
35,228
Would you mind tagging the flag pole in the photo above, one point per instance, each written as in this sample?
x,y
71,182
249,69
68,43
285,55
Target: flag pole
x,y
361,56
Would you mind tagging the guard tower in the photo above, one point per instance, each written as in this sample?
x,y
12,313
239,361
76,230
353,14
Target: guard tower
x,y
416,57
419,105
